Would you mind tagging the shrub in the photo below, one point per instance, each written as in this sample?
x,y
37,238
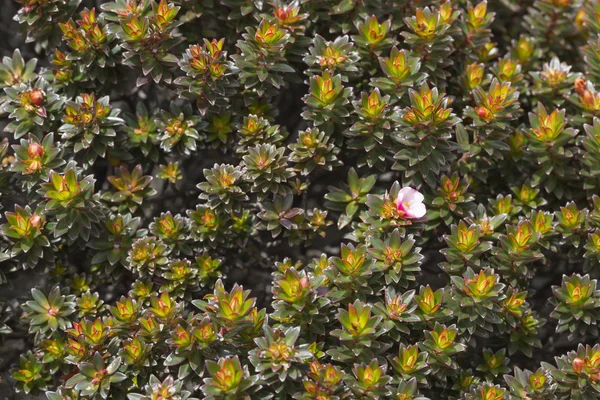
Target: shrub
x,y
330,199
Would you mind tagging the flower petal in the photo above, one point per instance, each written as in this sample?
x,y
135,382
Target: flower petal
x,y
417,197
405,195
417,211
400,196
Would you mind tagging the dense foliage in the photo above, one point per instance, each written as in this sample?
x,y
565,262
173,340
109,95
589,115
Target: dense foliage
x,y
316,199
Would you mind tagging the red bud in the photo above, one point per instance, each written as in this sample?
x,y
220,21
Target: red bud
x,y
483,113
579,85
304,281
281,13
588,97
37,97
35,150
35,221
577,364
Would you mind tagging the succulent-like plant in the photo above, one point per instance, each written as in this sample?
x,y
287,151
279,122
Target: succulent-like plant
x,y
356,199
49,312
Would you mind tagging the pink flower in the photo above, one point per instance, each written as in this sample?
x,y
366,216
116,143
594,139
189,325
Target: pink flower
x,y
410,202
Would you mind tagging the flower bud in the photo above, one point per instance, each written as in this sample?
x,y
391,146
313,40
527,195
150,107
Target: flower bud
x,y
588,98
483,113
577,364
62,75
580,86
282,13
7,161
35,221
34,166
37,97
35,150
